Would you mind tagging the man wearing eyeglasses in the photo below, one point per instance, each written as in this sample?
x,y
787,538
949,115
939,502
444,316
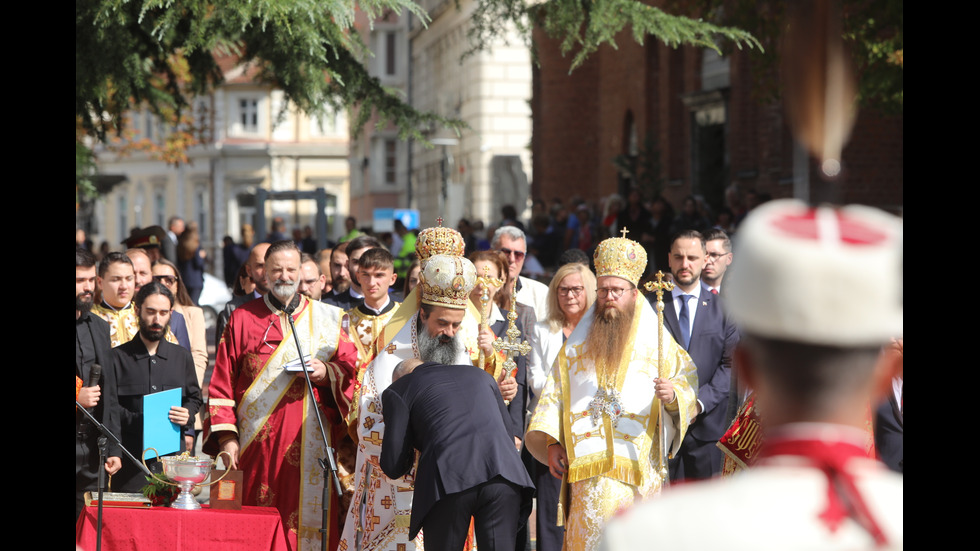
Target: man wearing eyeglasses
x,y
718,248
511,241
595,425
311,280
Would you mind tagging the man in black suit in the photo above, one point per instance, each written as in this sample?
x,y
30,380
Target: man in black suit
x,y
694,316
91,347
468,466
889,417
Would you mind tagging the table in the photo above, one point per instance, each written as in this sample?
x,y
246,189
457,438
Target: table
x,y
166,529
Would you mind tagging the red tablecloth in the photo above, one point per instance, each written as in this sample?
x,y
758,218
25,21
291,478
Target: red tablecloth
x,y
166,529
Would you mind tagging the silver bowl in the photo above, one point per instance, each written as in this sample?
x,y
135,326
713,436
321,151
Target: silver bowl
x,y
186,472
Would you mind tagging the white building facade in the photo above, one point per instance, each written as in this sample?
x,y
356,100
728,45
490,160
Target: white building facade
x,y
251,140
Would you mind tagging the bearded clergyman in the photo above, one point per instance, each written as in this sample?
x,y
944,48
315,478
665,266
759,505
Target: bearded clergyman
x,y
436,323
596,424
260,411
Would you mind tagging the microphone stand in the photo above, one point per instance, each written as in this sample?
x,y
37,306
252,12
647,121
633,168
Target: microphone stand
x,y
103,455
330,463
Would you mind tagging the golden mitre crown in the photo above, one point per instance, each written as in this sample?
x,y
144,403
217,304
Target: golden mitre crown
x,y
446,280
620,257
439,240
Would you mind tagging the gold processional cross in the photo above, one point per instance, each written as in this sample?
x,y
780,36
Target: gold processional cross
x,y
486,281
512,346
659,287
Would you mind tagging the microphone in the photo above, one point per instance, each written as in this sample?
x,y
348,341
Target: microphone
x,y
94,374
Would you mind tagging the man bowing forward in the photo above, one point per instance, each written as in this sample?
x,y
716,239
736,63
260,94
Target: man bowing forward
x,y
454,415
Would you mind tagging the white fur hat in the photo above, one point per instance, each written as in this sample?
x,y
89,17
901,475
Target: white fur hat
x,y
830,276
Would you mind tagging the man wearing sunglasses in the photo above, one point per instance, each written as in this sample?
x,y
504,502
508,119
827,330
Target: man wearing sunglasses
x,y
510,241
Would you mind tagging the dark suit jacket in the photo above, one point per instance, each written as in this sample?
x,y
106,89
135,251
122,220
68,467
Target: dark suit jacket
x,y
890,434
95,330
454,415
344,300
518,406
225,315
712,345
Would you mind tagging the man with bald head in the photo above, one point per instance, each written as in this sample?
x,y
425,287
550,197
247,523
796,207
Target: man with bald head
x,y
255,268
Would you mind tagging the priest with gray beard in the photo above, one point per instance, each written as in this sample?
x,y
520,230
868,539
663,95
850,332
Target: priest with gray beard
x,y
439,332
441,348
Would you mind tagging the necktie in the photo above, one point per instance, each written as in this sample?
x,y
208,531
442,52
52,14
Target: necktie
x,y
685,320
714,291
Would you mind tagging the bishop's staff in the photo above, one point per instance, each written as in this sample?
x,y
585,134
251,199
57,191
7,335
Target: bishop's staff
x,y
659,287
485,281
512,346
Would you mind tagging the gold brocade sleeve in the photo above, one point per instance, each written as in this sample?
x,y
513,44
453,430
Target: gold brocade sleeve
x,y
684,376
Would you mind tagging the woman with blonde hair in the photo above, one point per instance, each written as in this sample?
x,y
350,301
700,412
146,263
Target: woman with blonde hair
x,y
570,294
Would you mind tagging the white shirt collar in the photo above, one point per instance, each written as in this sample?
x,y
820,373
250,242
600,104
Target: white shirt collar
x,y
377,311
677,291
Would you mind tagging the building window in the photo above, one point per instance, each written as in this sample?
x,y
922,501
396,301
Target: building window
x,y
248,114
160,207
203,121
201,212
391,162
123,214
391,68
328,123
148,125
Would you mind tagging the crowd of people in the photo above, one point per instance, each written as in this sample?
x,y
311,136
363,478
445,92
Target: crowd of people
x,y
455,386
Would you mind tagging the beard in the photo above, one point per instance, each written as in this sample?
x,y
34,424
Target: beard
x,y
340,285
153,332
83,302
441,350
284,290
261,284
606,341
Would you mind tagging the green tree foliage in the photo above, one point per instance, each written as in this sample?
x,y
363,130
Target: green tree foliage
x,y
873,31
161,53
584,25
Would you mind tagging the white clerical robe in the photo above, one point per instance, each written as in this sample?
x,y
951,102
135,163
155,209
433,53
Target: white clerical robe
x,y
610,432
378,518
